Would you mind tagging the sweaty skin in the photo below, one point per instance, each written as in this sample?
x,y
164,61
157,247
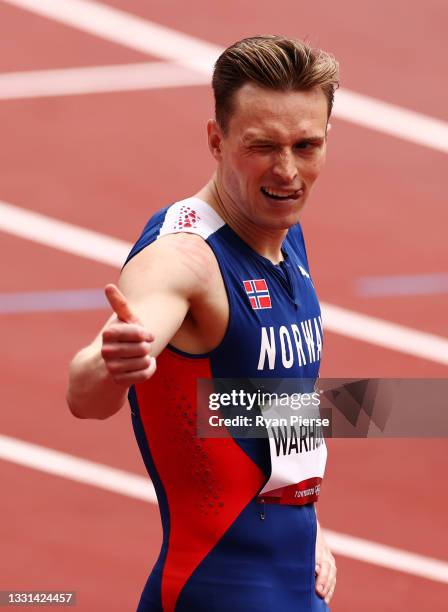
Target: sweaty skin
x,y
173,292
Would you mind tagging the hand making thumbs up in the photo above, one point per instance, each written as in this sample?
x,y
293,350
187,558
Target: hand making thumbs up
x,y
126,347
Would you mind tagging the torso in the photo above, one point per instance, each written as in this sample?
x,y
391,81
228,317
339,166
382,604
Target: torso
x,y
223,549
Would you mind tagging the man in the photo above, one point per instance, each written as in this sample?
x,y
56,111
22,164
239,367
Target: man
x,y
218,285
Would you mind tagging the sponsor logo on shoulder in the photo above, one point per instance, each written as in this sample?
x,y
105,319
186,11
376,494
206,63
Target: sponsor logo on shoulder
x,y
188,218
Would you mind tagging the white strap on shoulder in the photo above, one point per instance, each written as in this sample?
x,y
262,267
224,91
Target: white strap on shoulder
x,y
193,216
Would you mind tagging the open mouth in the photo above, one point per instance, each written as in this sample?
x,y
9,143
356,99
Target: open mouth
x,y
279,196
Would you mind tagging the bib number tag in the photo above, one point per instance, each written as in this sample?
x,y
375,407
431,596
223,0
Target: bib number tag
x,y
298,458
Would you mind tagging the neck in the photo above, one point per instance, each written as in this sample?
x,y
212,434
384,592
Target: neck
x,y
266,242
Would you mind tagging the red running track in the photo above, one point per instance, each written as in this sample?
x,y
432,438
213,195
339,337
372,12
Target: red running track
x,y
105,162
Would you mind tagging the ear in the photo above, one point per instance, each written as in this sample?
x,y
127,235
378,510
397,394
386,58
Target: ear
x,y
215,138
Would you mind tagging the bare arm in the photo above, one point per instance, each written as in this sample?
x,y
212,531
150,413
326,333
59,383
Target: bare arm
x,y
156,288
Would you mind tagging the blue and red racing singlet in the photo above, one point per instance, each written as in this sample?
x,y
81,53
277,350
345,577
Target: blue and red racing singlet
x,y
239,525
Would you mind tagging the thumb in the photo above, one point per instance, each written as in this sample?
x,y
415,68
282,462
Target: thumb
x,y
119,304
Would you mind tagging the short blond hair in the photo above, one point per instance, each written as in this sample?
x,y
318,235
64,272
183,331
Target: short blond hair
x,y
272,62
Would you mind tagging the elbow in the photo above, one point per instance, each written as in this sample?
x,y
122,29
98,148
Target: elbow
x,y
73,408
75,396
78,412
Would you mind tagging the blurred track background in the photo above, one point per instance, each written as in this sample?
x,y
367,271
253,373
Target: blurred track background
x,y
102,120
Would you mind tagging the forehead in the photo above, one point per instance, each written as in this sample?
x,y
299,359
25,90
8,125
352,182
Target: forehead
x,y
278,114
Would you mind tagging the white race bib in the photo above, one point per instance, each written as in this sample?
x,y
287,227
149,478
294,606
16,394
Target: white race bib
x,y
298,458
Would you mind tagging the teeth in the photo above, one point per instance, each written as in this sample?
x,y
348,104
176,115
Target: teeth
x,y
278,194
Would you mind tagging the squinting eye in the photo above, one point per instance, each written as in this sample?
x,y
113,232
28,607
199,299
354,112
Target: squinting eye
x,y
261,150
304,145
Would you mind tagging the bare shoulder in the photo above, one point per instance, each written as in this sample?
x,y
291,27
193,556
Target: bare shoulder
x,y
182,262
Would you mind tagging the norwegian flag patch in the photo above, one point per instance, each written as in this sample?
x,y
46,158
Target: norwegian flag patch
x,y
258,293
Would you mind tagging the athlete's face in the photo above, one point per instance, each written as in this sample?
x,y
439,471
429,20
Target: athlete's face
x,y
272,153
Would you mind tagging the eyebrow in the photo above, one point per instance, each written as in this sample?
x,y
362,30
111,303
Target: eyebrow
x,y
312,139
258,140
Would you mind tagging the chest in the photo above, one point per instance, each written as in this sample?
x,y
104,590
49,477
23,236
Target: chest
x,y
274,325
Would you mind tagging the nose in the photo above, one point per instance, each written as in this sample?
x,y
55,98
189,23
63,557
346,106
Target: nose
x,y
285,167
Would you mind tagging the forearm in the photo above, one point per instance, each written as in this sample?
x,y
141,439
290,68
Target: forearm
x,y
92,392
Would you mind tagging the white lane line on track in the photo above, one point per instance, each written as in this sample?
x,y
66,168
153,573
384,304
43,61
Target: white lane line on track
x,y
118,481
390,119
145,36
77,469
403,285
53,301
63,236
93,245
96,79
129,30
386,334
386,556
